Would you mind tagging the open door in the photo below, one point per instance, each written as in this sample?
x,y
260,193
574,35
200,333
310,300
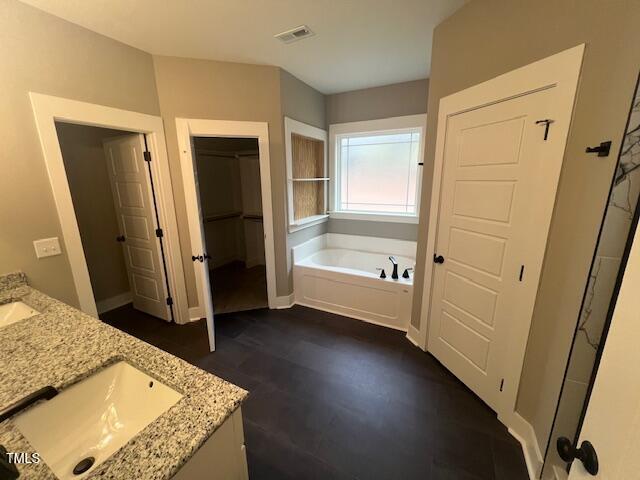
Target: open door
x,y
137,221
199,256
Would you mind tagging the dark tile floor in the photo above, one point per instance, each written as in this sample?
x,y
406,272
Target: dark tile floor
x,y
336,398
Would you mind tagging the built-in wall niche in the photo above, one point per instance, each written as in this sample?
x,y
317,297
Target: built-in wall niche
x,y
307,177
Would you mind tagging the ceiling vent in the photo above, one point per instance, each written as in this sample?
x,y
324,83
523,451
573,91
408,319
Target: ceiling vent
x,y
294,34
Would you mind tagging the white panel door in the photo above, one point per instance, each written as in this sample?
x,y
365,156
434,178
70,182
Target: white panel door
x,y
490,226
612,421
200,256
133,200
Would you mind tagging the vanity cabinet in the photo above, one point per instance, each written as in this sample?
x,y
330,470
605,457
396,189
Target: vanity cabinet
x,y
221,457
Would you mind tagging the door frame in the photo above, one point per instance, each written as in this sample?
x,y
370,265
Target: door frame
x,y
187,128
561,71
47,111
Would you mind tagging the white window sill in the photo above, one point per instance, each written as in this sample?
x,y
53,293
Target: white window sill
x,y
307,222
374,217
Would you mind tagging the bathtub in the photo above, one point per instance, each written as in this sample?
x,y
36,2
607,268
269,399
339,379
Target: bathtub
x,y
338,273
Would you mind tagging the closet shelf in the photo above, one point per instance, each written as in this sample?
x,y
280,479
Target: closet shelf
x,y
314,179
222,216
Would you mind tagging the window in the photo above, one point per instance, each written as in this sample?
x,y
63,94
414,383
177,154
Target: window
x,y
376,171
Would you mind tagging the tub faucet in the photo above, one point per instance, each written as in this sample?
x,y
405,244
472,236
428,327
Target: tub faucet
x,y
394,275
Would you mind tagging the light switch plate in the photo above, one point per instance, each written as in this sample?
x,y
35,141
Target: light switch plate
x,y
47,247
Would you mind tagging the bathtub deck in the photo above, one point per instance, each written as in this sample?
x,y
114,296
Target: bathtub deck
x,y
336,398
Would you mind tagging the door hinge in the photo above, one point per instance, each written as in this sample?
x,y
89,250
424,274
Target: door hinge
x,y
159,233
521,273
147,156
501,384
169,301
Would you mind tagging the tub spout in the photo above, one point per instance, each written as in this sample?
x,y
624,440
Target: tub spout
x,y
394,275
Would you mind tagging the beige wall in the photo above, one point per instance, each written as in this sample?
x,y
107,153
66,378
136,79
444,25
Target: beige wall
x,y
305,104
41,53
488,37
223,91
86,166
302,102
396,100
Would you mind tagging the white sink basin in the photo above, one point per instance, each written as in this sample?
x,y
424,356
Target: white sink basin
x,y
14,312
94,417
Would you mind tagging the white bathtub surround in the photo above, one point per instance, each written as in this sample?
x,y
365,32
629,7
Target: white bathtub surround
x,y
337,273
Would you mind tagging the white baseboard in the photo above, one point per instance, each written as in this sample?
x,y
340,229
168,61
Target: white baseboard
x,y
195,314
413,335
285,301
526,435
114,302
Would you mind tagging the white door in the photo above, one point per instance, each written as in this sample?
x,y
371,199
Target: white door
x,y
133,200
612,422
498,187
200,258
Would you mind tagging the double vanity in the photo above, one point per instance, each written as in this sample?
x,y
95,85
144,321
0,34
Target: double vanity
x,y
93,402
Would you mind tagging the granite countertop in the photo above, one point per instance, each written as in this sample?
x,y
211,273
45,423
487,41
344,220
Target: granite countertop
x,y
63,345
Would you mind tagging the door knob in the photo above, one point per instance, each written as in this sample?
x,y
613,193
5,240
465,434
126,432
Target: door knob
x,y
120,238
438,259
586,454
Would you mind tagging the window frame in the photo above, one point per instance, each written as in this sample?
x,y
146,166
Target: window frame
x,y
384,125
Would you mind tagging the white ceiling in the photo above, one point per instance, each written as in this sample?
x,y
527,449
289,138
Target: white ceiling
x,y
357,43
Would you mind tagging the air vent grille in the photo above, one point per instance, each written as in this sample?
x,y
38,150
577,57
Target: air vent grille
x,y
294,34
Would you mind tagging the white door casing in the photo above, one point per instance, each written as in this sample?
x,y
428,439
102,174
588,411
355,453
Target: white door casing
x,y
612,420
48,110
134,206
486,253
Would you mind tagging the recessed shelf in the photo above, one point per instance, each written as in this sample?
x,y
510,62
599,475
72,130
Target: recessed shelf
x,y
306,149
308,222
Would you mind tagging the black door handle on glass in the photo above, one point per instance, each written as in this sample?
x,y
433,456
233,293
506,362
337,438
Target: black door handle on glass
x,y
438,259
586,454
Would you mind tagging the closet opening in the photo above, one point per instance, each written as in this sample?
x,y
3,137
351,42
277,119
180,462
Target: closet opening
x,y
228,180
